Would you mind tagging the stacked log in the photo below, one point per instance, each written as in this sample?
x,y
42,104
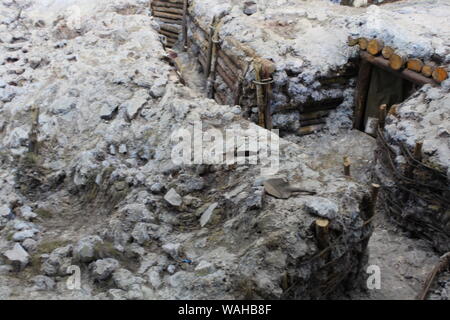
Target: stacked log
x,y
170,14
410,68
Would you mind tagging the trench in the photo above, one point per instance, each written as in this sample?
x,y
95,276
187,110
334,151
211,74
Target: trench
x,y
217,72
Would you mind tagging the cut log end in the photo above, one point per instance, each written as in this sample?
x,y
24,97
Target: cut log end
x,y
387,52
396,61
415,65
375,46
322,223
427,70
363,43
440,74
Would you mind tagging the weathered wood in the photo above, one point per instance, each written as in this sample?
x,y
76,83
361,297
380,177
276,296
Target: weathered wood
x,y
259,95
362,89
169,34
373,199
228,63
314,115
375,46
440,74
387,52
304,123
414,65
267,75
185,27
428,68
418,151
363,43
167,4
172,16
223,74
382,115
322,233
406,74
347,165
170,28
397,61
171,21
210,48
442,265
168,9
352,41
310,129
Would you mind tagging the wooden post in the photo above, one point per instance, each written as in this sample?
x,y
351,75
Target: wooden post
x,y
210,48
347,165
268,96
362,89
322,233
185,39
212,76
418,151
382,116
33,135
259,95
373,200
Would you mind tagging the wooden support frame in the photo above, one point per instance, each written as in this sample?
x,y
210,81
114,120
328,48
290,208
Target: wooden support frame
x,y
362,89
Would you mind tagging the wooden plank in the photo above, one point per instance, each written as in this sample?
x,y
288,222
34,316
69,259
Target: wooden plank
x,y
362,89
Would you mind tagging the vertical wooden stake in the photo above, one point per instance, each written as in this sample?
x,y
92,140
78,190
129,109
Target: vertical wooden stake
x,y
33,135
373,199
185,39
322,233
382,116
347,165
210,48
268,95
362,89
259,95
418,151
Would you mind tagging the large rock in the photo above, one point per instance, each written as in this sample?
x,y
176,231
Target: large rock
x,y
85,249
207,215
103,268
173,198
17,257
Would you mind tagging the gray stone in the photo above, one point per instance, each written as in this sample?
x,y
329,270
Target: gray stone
x,y
154,277
250,7
117,294
204,268
103,268
124,279
172,249
43,283
171,269
207,215
84,251
5,211
17,257
322,207
25,234
140,233
173,198
29,244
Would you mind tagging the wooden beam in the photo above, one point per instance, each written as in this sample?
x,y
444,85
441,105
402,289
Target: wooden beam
x,y
362,89
406,74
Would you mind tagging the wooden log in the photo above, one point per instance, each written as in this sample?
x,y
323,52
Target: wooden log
x,y
362,89
229,63
397,61
259,95
406,74
167,4
314,115
185,28
373,199
387,52
168,10
210,48
414,65
171,21
382,115
322,233
352,41
441,266
440,74
428,68
169,34
375,46
223,74
172,16
418,151
363,43
170,28
267,75
304,123
347,165
226,67
310,129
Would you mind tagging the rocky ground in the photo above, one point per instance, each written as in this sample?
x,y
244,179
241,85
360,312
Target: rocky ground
x,y
88,103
